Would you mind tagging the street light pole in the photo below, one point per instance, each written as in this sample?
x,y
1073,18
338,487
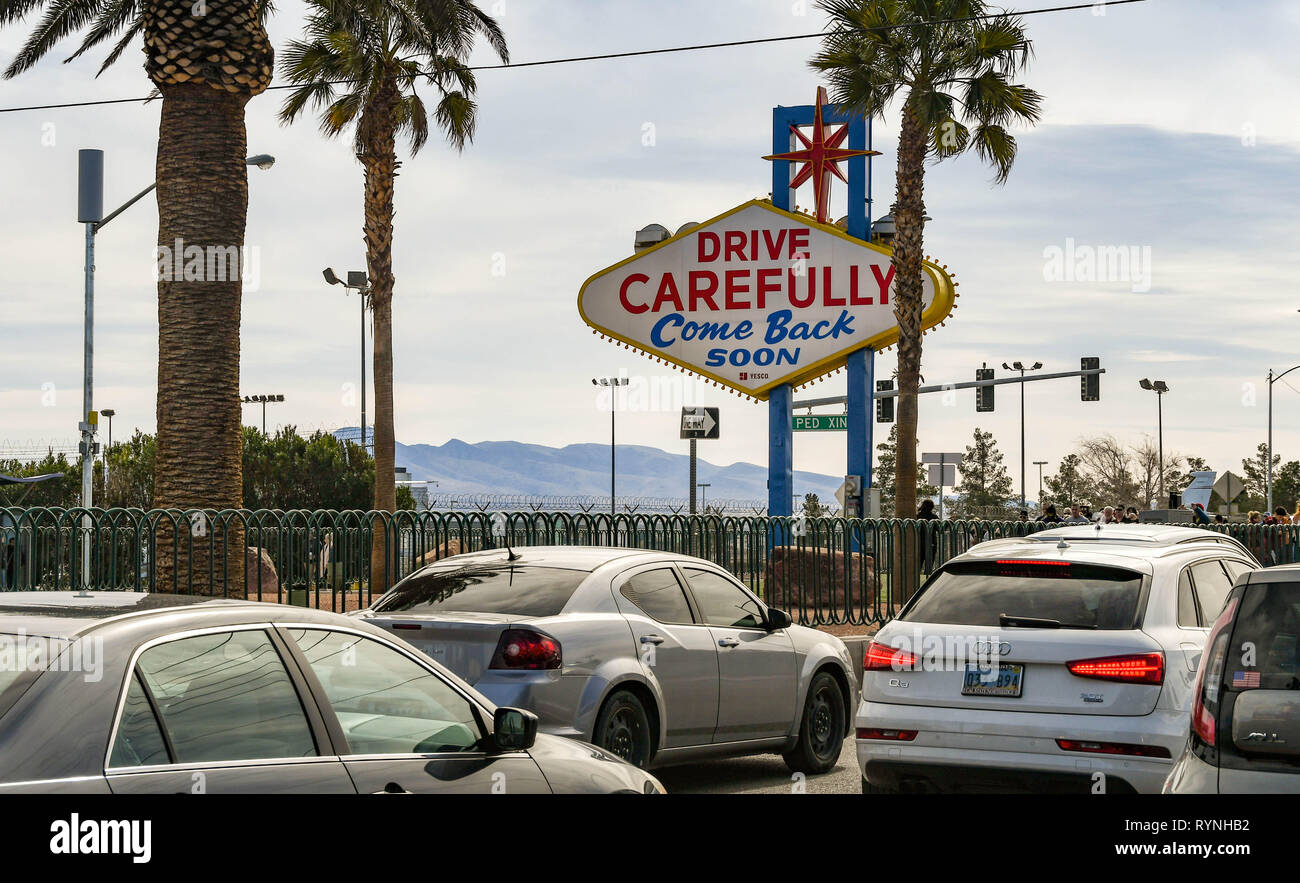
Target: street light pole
x,y
1269,466
360,283
263,400
613,383
1159,387
1019,366
90,212
1040,464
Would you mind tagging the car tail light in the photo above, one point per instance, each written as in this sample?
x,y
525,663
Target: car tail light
x,y
886,735
407,625
1136,668
882,657
1209,674
1124,748
526,649
1033,561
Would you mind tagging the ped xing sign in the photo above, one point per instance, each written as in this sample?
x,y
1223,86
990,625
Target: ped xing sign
x,y
756,297
821,422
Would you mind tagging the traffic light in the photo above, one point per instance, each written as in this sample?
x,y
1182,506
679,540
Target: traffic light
x,y
1090,384
885,406
983,394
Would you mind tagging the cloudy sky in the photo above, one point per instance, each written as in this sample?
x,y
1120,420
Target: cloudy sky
x,y
1168,129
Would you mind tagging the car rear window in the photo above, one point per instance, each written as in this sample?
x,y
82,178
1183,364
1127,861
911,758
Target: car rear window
x,y
499,587
980,592
1266,639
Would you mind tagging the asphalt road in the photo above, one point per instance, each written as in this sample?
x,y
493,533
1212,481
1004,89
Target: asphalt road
x,y
761,774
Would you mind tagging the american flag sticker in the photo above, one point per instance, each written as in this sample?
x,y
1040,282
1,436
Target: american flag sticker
x,y
1245,679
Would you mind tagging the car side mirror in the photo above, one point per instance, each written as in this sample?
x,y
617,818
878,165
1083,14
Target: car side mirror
x,y
778,619
513,729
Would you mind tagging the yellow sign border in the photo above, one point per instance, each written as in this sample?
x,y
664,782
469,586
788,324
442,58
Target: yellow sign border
x,y
939,309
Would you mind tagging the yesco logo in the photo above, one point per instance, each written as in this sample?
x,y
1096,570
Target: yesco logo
x,y
77,836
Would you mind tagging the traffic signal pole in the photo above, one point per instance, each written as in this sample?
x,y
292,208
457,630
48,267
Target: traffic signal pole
x,y
970,384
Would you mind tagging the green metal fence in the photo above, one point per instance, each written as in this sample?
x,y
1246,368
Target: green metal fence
x,y
825,571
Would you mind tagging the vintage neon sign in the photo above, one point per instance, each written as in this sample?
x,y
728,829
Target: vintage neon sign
x,y
756,297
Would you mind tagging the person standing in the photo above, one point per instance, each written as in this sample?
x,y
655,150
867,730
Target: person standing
x,y
925,512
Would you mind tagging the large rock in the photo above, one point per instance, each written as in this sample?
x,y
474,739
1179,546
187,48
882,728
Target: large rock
x,y
257,561
805,579
453,548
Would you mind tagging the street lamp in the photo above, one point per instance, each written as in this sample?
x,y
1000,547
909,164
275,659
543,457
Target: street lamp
x,y
360,283
1272,380
702,495
1159,387
1040,464
109,413
1019,366
613,383
90,212
262,400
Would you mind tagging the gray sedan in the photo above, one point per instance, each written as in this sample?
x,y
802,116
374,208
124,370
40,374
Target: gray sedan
x,y
656,657
122,692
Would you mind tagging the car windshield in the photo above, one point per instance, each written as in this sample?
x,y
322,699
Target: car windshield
x,y
498,587
1269,622
980,593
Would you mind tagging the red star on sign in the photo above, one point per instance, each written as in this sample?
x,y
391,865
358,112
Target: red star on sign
x,y
820,157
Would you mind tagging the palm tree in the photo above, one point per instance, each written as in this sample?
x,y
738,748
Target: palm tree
x,y
951,64
360,61
207,58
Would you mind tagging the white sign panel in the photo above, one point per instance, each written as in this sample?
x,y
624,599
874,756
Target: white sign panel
x,y
953,459
1199,490
755,298
943,476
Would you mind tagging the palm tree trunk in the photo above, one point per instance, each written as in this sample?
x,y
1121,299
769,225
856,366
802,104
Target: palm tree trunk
x,y
202,207
380,162
909,222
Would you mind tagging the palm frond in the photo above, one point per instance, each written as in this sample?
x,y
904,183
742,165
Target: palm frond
x,y
62,17
997,147
109,22
456,116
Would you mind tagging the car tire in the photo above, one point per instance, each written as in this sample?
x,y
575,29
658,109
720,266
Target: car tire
x,y
623,729
821,727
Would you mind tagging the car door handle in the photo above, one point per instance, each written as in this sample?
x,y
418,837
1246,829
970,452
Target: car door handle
x,y
393,788
728,642
652,639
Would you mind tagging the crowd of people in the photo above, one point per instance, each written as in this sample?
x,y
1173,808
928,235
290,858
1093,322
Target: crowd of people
x,y
1083,513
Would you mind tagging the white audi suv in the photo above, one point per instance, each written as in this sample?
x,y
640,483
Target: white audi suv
x,y
1059,661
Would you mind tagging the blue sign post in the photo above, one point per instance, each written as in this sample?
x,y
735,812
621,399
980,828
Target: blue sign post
x,y
860,366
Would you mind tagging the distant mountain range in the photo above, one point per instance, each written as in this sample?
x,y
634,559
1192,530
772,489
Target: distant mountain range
x,y
508,467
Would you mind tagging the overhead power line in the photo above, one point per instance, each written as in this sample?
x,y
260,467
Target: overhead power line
x,y
636,53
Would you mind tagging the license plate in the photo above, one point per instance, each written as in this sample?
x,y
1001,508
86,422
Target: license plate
x,y
1005,679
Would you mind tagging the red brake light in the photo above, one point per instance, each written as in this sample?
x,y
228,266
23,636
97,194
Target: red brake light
x,y
882,657
887,735
526,649
1113,748
1034,562
1137,668
1209,673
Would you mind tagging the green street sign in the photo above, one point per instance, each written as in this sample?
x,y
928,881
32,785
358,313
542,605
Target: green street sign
x,y
821,422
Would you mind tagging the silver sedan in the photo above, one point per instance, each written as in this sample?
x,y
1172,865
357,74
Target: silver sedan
x,y
656,657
